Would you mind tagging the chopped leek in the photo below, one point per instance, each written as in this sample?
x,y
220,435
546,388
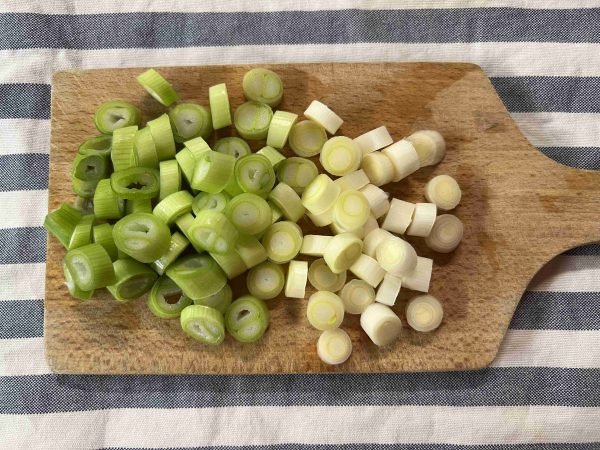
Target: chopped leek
x,y
82,233
251,251
273,155
357,295
381,324
113,115
142,236
138,205
90,266
61,222
170,178
122,153
231,263
334,346
396,256
213,172
266,280
342,251
247,319
325,310
74,291
144,149
219,106
219,301
204,324
264,86
249,213
233,146
198,276
320,195
106,203
252,120
173,206
297,173
133,279
321,114
162,135
212,202
176,247
282,241
280,127
288,202
166,299
340,156
424,313
446,234
189,120
157,87
323,279
213,231
255,174
135,183
307,138
295,285
102,234
351,210
314,244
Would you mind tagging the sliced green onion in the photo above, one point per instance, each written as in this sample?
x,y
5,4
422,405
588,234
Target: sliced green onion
x,y
198,146
320,195
314,244
90,167
219,106
321,114
351,210
295,284
187,164
263,85
424,313
251,251
122,153
325,310
276,213
212,202
176,247
353,181
82,233
388,290
61,222
74,291
420,277
249,213
233,146
377,198
368,269
340,156
288,202
357,295
334,346
166,299
212,231
396,256
142,236
378,167
90,266
183,222
282,241
233,188
280,127
272,154
83,188
97,145
106,203
265,281
85,205
247,319
307,138
143,205
252,119
134,279
102,234
323,219
213,172
342,251
297,172
113,115
170,178
231,263
323,279
197,275
135,183
219,301
203,324
189,120
173,206
157,87
144,148
162,134
254,174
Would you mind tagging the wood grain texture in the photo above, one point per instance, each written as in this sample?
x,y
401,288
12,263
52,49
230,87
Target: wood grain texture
x,y
519,209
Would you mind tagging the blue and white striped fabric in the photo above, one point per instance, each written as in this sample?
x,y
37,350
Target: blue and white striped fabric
x,y
543,390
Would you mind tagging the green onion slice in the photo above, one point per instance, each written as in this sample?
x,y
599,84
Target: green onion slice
x,y
272,154
92,167
106,203
144,148
85,205
61,222
213,172
82,233
122,153
252,120
102,234
247,319
212,231
251,251
265,281
135,183
142,236
166,299
351,210
282,241
97,145
342,251
325,310
307,138
276,213
340,156
143,205
157,87
264,86
90,266
134,279
74,291
297,173
176,247
231,263
323,279
320,195
233,146
197,275
280,127
83,188
113,115
288,202
254,174
162,134
219,106
212,202
170,178
189,120
249,213
203,324
219,301
173,206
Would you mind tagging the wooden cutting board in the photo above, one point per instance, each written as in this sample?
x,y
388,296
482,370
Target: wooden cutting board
x,y
519,209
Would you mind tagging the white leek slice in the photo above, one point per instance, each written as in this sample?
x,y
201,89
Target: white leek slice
x,y
324,116
388,290
353,181
446,234
399,216
370,225
377,198
420,277
342,251
336,229
373,239
314,244
404,158
282,241
378,168
220,110
323,219
423,220
444,191
381,324
396,256
357,295
334,346
323,279
325,310
424,313
340,156
295,285
430,146
280,127
368,269
288,202
374,140
307,138
320,195
265,281
251,251
351,210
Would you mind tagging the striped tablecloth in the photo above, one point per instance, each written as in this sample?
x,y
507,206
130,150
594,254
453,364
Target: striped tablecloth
x,y
544,386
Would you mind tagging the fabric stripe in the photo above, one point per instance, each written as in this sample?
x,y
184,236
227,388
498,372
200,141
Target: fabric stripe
x,y
297,27
370,446
493,386
310,425
569,273
23,356
578,157
18,136
23,208
23,172
21,319
22,245
17,287
31,101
